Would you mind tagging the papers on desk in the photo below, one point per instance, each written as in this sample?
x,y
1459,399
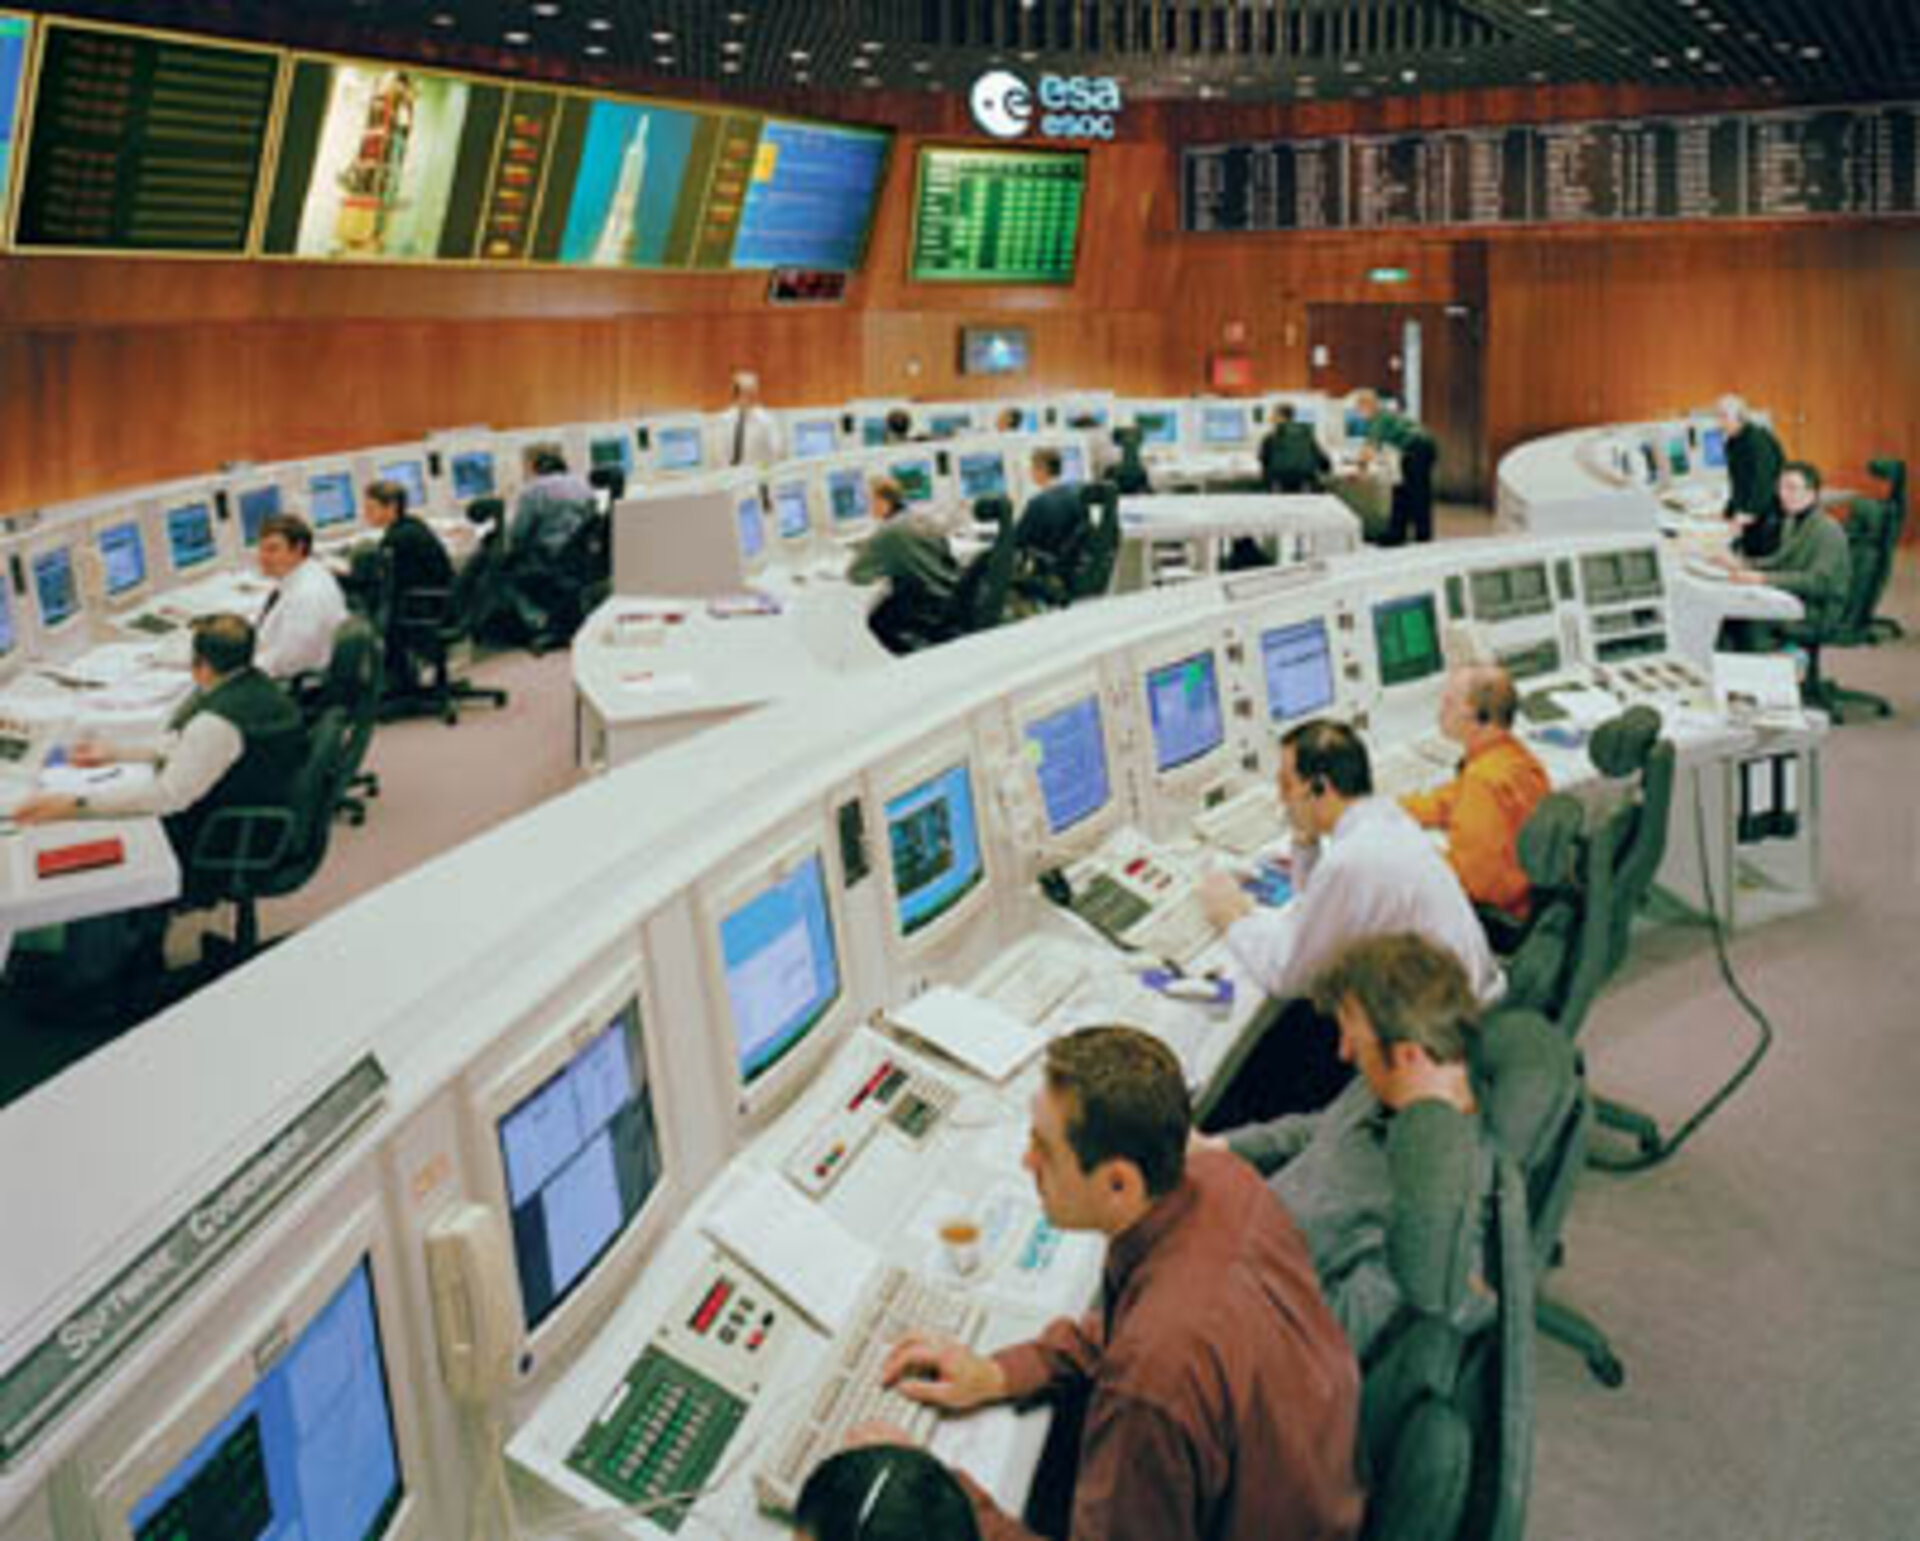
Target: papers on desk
x,y
1587,707
728,607
975,1032
1758,688
793,1244
75,781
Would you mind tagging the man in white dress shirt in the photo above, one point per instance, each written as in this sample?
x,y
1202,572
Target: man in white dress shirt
x,y
306,607
748,434
1360,867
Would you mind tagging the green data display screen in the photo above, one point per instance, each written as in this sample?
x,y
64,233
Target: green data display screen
x,y
144,143
998,216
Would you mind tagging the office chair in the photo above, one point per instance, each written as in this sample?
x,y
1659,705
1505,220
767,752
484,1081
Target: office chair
x,y
1497,1385
1129,474
1893,471
608,479
1092,572
1868,523
242,855
1539,953
979,599
429,623
354,682
1533,1097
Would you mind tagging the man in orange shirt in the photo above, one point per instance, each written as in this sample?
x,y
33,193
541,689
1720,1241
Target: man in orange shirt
x,y
1499,784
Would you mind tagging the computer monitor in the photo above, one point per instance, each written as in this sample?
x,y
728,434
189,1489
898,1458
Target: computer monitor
x,y
1067,744
1222,425
295,1437
945,425
915,477
1073,463
1357,423
933,846
1158,426
781,962
1649,463
873,431
330,500
1679,458
191,541
9,632
412,475
472,475
1713,448
257,506
812,437
122,545
750,524
55,593
848,497
1298,665
1183,710
1406,636
792,515
680,448
611,451
983,474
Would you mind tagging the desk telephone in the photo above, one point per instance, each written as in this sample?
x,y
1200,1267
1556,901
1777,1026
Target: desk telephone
x,y
1134,895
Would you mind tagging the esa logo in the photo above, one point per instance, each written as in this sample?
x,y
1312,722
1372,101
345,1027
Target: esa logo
x,y
1071,106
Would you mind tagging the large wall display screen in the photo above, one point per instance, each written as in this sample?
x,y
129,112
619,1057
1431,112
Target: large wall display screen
x,y
810,199
144,143
15,33
997,216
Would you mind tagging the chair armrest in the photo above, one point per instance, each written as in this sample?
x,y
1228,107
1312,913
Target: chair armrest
x,y
243,842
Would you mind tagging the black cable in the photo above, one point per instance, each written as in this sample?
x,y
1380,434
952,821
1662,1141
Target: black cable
x,y
1663,1150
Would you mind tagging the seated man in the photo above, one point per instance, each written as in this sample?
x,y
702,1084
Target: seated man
x,y
237,741
548,517
1220,1396
912,555
1500,783
1405,1013
306,606
1360,867
1812,562
414,560
1053,526
1291,459
883,1493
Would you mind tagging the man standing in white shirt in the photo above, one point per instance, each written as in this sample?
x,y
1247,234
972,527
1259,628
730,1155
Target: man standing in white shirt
x,y
1361,867
748,434
306,607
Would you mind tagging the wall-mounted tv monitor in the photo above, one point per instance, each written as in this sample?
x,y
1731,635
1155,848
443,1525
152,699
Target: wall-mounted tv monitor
x,y
997,216
847,493
1070,760
257,506
679,449
123,557
915,478
994,350
810,196
1406,635
472,475
1183,706
933,841
580,1153
1223,425
750,520
983,474
412,475
782,966
330,502
791,515
814,436
54,591
309,1451
1298,665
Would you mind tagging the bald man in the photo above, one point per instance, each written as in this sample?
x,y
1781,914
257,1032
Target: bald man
x,y
1499,784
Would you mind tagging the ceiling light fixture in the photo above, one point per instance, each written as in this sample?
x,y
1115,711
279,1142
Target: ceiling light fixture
x,y
799,55
517,37
596,50
546,8
442,19
599,24
662,37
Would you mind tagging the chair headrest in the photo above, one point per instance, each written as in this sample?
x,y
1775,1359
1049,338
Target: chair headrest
x,y
486,510
1888,468
1620,746
1549,842
995,508
1528,1080
1433,1152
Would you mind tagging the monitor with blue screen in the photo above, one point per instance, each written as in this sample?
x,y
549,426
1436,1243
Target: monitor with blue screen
x,y
1713,449
411,475
1406,633
983,474
257,506
580,1153
1223,425
782,967
1299,670
1073,463
934,844
847,491
1183,703
123,557
309,1451
813,437
1158,427
944,425
330,499
8,635
1356,424
915,478
473,475
751,520
53,587
679,449
190,541
873,431
1070,759
791,514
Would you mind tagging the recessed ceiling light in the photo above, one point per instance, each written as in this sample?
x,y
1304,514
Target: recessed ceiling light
x,y
730,66
801,77
1539,10
1811,51
442,19
596,50
1351,66
872,82
1563,27
873,45
1695,53
1538,77
1409,76
922,65
1662,62
1028,55
799,55
1712,66
518,37
546,8
666,61
599,24
1768,80
733,45
662,37
1716,27
738,18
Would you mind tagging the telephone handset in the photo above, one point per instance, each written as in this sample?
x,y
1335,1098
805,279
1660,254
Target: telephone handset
x,y
470,1269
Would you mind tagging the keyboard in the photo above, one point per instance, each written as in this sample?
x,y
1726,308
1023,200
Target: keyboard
x,y
847,1390
1400,771
1539,706
1041,982
1243,823
150,623
1179,931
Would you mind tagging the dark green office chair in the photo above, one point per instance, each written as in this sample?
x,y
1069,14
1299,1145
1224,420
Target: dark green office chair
x,y
1092,572
1552,852
1871,553
1893,471
1498,1383
1129,474
979,599
354,680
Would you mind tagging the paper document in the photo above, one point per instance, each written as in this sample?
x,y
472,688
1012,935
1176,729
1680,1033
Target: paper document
x,y
795,1245
1589,708
987,1040
1763,686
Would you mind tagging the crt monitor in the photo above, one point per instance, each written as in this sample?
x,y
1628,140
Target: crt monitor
x,y
1068,747
781,965
330,499
257,506
1223,424
678,449
751,524
944,425
411,475
814,436
580,1154
933,842
613,450
791,514
123,557
190,537
1159,425
1406,635
9,633
55,594
1298,665
1183,707
1713,448
472,475
873,431
1073,463
983,474
307,1451
1679,459
915,477
847,493
1357,423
